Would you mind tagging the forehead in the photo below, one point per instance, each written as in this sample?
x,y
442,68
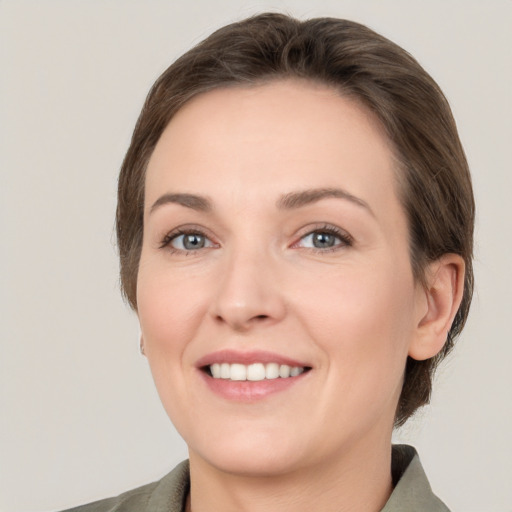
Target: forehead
x,y
258,142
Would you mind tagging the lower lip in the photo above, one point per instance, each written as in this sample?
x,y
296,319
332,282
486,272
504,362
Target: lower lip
x,y
248,391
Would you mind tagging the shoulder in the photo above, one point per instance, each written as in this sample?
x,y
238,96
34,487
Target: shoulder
x,y
165,495
136,499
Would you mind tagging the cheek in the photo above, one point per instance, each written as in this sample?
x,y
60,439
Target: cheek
x,y
166,306
169,312
361,318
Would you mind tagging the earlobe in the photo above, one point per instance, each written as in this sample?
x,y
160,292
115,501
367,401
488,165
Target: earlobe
x,y
441,297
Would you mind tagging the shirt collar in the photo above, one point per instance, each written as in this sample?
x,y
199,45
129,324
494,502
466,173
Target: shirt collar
x,y
412,490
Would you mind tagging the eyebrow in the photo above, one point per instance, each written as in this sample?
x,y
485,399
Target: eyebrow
x,y
302,198
290,201
192,201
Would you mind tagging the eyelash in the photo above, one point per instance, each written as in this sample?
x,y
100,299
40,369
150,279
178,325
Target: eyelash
x,y
345,239
173,235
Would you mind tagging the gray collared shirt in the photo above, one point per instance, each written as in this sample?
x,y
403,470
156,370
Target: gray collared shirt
x,y
411,491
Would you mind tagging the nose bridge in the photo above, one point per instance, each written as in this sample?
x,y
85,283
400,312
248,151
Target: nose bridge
x,y
248,292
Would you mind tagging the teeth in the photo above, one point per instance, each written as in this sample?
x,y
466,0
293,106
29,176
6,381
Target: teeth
x,y
272,371
254,372
238,372
284,371
225,371
295,371
215,369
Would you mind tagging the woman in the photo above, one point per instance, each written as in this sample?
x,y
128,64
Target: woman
x,y
295,221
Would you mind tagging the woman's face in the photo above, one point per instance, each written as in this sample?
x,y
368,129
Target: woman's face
x,y
274,242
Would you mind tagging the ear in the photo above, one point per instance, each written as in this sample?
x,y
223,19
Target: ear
x,y
438,302
141,340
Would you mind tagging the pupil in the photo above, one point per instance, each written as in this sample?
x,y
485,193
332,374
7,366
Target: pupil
x,y
322,240
193,242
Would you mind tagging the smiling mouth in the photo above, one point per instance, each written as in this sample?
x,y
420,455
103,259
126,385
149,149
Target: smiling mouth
x,y
253,372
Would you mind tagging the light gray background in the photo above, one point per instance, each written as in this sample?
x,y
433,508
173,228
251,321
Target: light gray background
x,y
80,419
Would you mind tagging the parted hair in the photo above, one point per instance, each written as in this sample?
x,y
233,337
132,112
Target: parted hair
x,y
434,183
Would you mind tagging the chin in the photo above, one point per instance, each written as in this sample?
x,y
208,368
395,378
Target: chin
x,y
251,454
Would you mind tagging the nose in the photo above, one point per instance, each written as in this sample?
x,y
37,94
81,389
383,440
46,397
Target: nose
x,y
248,293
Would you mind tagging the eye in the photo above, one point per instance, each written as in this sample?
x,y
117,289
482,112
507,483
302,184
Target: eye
x,y
327,238
187,241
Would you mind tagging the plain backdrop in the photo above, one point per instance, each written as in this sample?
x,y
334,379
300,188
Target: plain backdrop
x,y
80,419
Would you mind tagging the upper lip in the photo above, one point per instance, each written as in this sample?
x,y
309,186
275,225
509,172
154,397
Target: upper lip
x,y
247,357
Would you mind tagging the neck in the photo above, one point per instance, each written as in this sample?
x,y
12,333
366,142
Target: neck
x,y
358,480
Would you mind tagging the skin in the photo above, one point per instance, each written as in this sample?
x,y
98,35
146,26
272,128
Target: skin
x,y
353,312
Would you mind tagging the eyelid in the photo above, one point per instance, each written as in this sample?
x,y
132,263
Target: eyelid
x,y
186,229
346,239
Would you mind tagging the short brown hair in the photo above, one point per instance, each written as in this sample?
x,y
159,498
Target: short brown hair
x,y
434,180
